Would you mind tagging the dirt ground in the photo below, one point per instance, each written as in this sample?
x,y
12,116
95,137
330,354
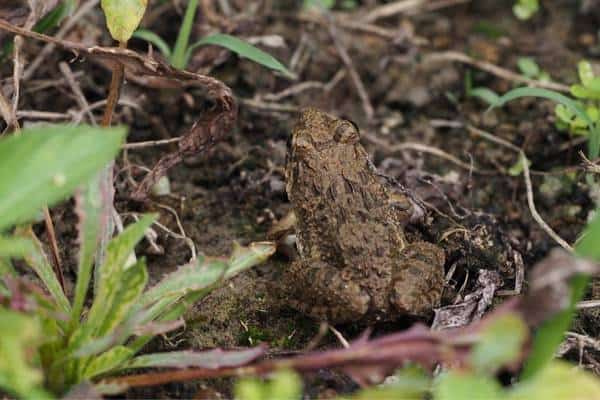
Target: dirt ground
x,y
425,132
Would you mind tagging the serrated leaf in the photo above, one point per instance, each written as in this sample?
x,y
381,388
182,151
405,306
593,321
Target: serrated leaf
x,y
38,261
204,272
112,271
107,362
88,206
460,386
111,279
132,285
59,158
243,49
123,17
500,343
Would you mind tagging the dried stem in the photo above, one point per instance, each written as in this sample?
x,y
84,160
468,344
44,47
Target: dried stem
x,y
118,70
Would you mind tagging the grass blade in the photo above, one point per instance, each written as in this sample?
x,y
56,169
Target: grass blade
x,y
243,49
178,59
154,39
88,208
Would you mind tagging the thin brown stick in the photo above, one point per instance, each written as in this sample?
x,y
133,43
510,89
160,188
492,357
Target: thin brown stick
x,y
358,84
493,69
534,213
150,143
118,71
56,261
79,96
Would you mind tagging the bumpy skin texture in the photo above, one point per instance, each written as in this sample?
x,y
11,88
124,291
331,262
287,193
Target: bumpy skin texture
x,y
355,262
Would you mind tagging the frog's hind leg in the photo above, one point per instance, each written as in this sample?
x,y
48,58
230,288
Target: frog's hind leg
x,y
325,292
418,279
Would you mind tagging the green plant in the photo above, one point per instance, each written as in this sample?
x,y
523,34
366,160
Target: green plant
x,y
282,385
180,55
569,104
68,343
530,69
588,94
525,9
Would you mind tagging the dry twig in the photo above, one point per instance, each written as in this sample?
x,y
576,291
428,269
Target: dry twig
x,y
493,69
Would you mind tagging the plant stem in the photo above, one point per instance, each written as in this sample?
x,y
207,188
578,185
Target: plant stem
x,y
183,38
118,71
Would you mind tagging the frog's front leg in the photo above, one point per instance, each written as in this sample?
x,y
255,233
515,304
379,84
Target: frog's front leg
x,y
325,292
418,279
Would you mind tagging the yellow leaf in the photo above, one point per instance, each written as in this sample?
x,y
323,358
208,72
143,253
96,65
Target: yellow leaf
x,y
123,17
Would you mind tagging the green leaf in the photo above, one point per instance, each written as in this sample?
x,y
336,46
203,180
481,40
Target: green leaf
x,y
204,272
485,94
38,261
112,271
586,74
6,268
525,9
132,285
410,383
19,337
213,359
156,40
123,17
550,334
243,49
180,57
528,67
582,92
594,142
107,362
88,208
501,343
558,381
454,385
16,247
564,114
283,385
517,168
59,158
587,244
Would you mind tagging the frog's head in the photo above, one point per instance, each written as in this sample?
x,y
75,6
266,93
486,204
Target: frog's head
x,y
317,130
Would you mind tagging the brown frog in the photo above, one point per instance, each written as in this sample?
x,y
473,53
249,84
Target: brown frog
x,y
354,259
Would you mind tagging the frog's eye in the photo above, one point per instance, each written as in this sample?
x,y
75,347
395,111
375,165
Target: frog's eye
x,y
346,132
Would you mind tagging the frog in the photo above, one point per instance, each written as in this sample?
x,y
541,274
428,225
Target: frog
x,y
354,260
